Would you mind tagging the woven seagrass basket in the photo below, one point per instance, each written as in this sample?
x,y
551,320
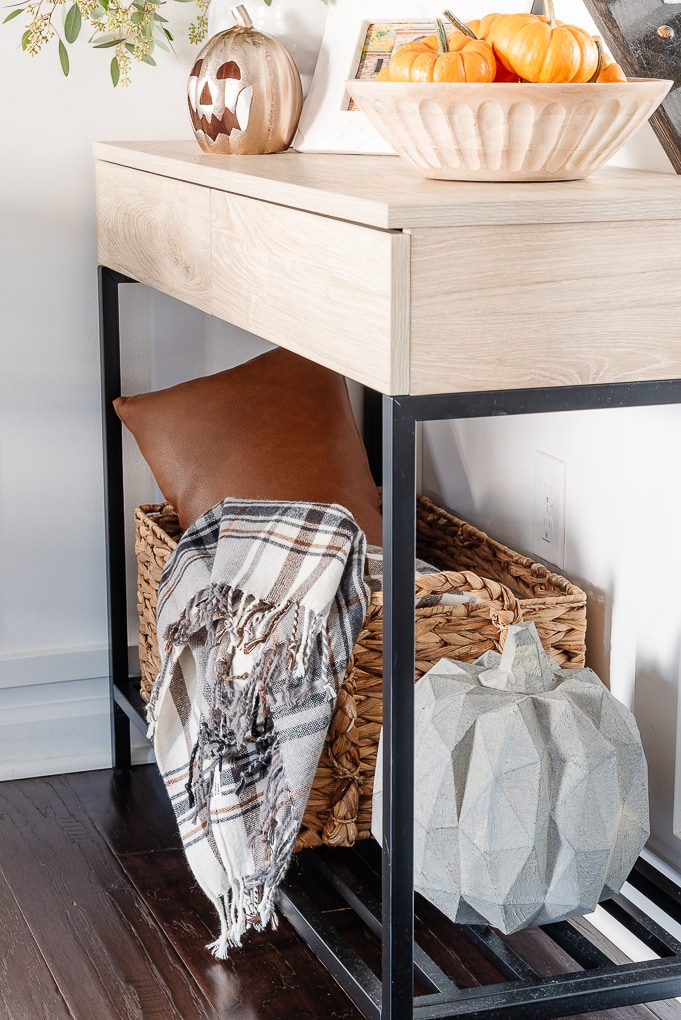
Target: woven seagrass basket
x,y
510,587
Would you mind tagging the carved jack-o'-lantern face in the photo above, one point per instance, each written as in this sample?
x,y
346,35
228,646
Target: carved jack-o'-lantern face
x,y
218,102
244,92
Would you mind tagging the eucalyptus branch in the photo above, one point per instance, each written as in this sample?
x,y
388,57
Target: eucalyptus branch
x,y
132,29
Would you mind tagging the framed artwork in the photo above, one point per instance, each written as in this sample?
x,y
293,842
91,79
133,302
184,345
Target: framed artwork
x,y
359,38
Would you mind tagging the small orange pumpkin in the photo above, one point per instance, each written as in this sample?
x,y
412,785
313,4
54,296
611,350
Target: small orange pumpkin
x,y
608,68
445,56
473,27
496,29
611,71
540,49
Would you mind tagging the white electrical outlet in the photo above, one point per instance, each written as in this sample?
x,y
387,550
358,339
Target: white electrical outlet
x,y
548,531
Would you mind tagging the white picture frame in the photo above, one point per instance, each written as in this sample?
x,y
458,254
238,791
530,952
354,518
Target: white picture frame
x,y
326,124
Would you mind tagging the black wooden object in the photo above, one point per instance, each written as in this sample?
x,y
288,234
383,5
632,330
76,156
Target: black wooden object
x,y
644,37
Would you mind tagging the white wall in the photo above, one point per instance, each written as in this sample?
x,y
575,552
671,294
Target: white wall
x,y
622,505
52,597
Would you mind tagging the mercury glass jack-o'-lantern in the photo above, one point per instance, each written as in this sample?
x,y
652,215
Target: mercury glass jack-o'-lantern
x,y
244,92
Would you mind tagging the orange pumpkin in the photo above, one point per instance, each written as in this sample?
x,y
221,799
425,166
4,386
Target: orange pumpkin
x,y
611,71
608,69
540,49
446,56
502,73
501,27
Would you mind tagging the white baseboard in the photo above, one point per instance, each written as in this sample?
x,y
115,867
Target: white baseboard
x,y
55,715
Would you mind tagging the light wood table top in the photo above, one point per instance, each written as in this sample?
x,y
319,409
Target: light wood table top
x,y
406,284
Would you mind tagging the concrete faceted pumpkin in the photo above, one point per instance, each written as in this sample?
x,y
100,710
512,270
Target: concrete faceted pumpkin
x,y
531,796
244,92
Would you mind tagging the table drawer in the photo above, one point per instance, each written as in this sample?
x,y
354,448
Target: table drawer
x,y
327,289
156,230
556,304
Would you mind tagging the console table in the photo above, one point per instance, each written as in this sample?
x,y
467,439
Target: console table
x,y
450,300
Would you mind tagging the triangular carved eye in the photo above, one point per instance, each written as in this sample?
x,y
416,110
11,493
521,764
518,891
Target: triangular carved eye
x,y
229,70
206,98
196,68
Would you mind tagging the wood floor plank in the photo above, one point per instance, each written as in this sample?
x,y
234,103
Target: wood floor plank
x,y
131,809
96,934
27,989
103,920
273,974
274,970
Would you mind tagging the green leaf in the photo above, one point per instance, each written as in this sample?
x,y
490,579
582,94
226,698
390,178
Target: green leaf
x,y
150,60
72,23
115,71
63,58
167,34
163,45
25,39
105,45
159,17
137,17
14,14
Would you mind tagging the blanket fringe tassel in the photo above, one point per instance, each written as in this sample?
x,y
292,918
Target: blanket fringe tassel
x,y
237,911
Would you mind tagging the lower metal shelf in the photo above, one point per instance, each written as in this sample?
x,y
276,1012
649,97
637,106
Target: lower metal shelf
x,y
472,971
332,898
129,700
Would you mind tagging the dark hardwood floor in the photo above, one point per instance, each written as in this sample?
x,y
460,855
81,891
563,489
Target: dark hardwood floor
x,y
100,919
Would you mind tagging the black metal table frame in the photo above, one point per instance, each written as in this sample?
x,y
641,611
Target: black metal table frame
x,y
600,984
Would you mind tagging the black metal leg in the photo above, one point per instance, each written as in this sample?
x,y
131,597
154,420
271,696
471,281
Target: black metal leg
x,y
399,544
373,417
109,332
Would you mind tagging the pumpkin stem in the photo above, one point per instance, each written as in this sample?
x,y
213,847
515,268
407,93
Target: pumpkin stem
x,y
601,57
550,13
461,25
241,16
441,32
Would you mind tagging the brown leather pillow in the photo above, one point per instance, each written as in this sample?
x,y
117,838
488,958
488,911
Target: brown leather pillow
x,y
276,427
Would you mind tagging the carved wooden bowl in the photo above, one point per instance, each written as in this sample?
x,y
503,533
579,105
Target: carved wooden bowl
x,y
507,131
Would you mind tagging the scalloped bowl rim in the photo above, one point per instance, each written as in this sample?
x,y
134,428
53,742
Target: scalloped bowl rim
x,y
652,91
363,83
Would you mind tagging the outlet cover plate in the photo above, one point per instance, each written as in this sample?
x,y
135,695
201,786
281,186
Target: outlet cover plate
x,y
548,519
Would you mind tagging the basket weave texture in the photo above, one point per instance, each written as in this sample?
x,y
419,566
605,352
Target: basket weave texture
x,y
510,587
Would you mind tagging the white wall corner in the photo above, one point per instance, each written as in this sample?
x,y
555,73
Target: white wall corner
x,y
55,714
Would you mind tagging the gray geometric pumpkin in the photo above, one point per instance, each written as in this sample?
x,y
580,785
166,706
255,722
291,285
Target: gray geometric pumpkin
x,y
244,92
531,793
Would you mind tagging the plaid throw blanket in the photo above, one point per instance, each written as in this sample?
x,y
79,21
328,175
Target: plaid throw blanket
x,y
259,606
